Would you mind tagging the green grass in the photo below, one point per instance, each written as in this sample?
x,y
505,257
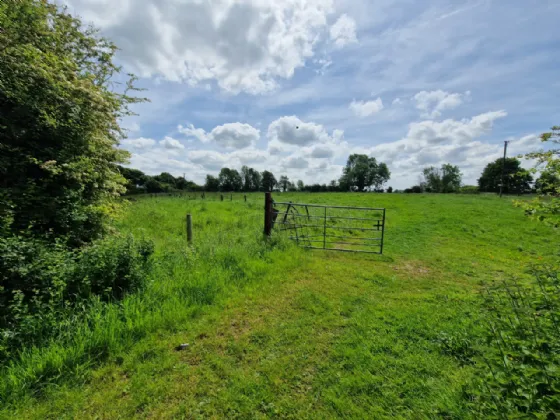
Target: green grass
x,y
275,330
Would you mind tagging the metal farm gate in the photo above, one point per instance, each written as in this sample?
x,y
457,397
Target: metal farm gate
x,y
333,228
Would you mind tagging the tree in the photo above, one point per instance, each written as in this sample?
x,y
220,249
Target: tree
x,y
59,124
390,190
212,184
284,183
546,207
516,179
256,180
444,180
230,180
166,178
251,179
268,181
135,180
548,183
363,172
300,185
154,186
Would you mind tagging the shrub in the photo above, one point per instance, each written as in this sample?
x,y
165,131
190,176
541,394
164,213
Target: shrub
x,y
41,282
518,375
469,189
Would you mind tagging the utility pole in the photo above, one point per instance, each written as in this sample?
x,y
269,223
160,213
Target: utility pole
x,y
503,167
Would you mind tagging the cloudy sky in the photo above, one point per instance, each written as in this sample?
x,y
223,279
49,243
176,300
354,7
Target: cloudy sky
x,y
295,86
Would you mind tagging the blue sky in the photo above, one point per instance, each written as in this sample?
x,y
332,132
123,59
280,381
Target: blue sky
x,y
295,86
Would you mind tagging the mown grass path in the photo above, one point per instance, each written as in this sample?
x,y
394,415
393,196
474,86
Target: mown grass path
x,y
329,335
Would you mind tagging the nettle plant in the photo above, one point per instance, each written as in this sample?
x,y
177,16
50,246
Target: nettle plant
x,y
520,363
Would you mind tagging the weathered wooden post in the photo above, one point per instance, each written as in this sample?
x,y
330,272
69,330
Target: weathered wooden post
x,y
267,213
189,229
221,197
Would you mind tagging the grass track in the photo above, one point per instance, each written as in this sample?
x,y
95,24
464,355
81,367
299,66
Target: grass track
x,y
308,334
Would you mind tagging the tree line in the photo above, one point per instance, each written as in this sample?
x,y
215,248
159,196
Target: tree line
x,y
516,179
361,173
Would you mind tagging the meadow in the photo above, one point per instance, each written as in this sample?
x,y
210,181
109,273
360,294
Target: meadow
x,y
276,330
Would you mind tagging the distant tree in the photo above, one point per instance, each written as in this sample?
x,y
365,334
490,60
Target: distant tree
x,y
333,185
363,172
516,179
284,183
268,181
230,180
417,189
444,180
166,178
390,190
292,187
135,180
548,184
300,185
256,180
212,184
154,186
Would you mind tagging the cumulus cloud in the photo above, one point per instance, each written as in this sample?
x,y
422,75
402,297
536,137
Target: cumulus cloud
x,y
233,135
365,109
433,103
321,152
343,32
292,131
171,143
244,45
139,143
295,162
431,142
208,159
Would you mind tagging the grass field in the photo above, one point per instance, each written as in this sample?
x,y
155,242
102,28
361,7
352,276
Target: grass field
x,y
274,330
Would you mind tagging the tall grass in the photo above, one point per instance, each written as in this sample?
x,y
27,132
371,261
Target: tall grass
x,y
228,254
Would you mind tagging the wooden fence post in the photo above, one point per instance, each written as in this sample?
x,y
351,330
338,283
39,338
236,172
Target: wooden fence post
x,y
221,197
267,213
189,229
245,196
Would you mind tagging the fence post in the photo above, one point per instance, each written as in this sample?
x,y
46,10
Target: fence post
x,y
221,197
189,229
245,196
267,213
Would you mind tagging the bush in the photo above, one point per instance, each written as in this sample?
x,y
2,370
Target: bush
x,y
41,283
518,375
417,189
469,189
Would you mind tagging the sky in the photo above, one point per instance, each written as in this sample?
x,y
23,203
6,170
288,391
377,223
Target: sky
x,y
296,86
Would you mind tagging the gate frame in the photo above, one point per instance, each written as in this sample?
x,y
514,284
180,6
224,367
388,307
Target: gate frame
x,y
270,215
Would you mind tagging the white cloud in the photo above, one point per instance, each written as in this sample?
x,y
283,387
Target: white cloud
x,y
321,151
245,45
233,135
431,142
365,109
292,131
343,32
295,162
433,103
139,143
171,143
208,159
